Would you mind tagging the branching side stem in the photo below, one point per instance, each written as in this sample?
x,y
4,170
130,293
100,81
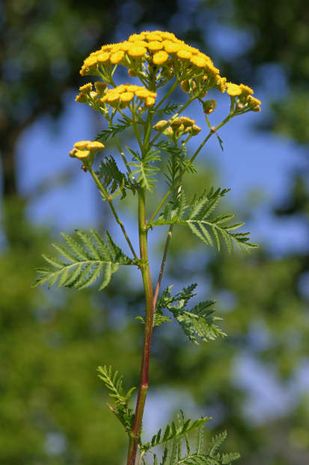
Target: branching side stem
x,y
162,267
212,131
114,212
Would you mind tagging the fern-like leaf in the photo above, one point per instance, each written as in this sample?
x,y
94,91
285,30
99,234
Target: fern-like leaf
x,y
114,383
199,216
169,109
199,323
174,430
208,451
83,258
112,178
144,167
114,129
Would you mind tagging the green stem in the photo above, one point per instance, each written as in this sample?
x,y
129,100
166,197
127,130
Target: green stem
x,y
160,205
170,91
162,267
107,197
211,132
144,373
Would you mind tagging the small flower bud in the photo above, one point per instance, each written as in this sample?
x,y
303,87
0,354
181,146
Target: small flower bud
x,y
254,103
160,125
86,87
209,106
185,86
100,86
195,130
168,132
81,98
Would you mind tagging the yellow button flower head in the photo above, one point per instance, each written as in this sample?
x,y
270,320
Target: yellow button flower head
x,y
233,89
244,98
116,57
155,46
137,51
121,96
85,148
86,87
185,54
177,126
160,57
84,93
126,96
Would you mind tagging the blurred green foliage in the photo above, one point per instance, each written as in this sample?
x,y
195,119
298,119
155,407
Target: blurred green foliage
x,y
52,406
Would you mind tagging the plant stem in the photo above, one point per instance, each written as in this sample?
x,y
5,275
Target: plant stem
x,y
163,262
160,205
110,202
170,91
211,132
144,373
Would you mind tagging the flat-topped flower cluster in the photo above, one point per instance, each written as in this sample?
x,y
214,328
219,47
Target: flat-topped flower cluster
x,y
164,55
156,58
142,52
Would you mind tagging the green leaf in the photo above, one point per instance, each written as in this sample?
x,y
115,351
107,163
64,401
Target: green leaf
x,y
144,167
199,323
169,109
83,258
113,179
220,142
114,129
114,383
180,450
174,430
177,165
158,320
199,216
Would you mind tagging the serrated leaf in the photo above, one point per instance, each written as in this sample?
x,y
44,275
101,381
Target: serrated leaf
x,y
113,130
174,431
169,109
199,216
145,167
114,383
113,178
83,259
199,323
207,451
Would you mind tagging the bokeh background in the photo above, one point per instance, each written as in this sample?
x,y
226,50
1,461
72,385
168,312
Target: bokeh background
x,y
255,383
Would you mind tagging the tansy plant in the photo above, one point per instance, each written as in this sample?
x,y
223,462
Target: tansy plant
x,y
157,64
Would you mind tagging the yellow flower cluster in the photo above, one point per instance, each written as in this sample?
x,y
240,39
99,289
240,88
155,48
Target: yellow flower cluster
x,y
121,96
177,126
244,95
144,53
84,148
155,58
87,92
